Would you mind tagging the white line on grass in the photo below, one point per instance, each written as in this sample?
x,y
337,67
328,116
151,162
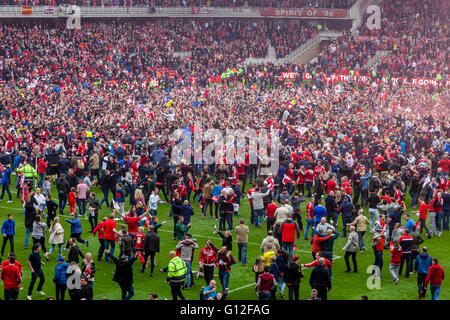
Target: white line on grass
x,y
243,287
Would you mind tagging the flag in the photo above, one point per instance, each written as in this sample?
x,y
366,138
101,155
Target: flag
x,y
27,10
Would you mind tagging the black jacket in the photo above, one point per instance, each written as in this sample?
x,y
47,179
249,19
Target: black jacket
x,y
86,292
126,245
151,242
74,253
320,278
124,272
292,274
330,204
63,185
30,213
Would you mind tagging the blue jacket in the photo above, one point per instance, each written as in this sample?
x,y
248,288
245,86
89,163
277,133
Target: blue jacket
x,y
365,181
122,195
9,227
329,244
273,269
216,191
60,273
6,176
347,209
185,211
75,226
319,212
422,263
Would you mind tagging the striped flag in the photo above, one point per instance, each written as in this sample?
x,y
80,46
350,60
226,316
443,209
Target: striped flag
x,y
27,10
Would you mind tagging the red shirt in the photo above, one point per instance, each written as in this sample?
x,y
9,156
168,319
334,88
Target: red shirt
x,y
271,208
11,276
310,210
444,164
435,275
139,240
72,197
331,186
423,210
309,175
378,160
132,224
99,229
396,255
108,227
348,187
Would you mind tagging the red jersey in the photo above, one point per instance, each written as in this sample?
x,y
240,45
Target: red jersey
x,y
11,276
318,170
423,211
309,175
99,229
108,227
132,224
347,186
139,241
331,186
396,255
377,161
310,210
271,208
249,193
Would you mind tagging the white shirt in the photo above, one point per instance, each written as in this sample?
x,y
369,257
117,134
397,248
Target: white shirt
x,y
153,201
40,200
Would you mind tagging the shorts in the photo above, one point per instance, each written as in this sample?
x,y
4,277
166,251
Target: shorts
x,y
235,207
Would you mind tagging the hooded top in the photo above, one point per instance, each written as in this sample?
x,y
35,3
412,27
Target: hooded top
x,y
422,263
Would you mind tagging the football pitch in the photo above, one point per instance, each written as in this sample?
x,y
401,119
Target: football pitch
x,y
345,286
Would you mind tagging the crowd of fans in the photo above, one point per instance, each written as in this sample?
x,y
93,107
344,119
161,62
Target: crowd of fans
x,y
415,35
98,106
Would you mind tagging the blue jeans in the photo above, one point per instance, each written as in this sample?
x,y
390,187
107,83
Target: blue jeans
x,y
27,236
288,246
445,219
309,224
224,278
62,201
113,247
5,187
439,216
41,180
36,274
130,291
105,197
361,239
374,216
188,275
153,212
414,198
435,291
378,260
264,295
259,216
242,252
53,248
82,206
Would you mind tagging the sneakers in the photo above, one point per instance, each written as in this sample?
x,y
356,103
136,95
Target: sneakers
x,y
87,243
395,281
282,294
29,298
41,292
151,274
9,201
440,234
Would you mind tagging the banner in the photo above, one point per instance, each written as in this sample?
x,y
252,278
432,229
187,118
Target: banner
x,y
49,9
320,13
288,75
27,10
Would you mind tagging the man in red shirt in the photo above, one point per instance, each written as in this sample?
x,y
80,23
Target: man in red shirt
x,y
434,278
309,218
271,208
207,260
445,165
288,230
11,277
101,238
331,185
109,229
423,211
